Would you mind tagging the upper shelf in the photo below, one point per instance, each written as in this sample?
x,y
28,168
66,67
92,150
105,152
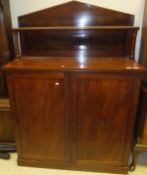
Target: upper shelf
x,y
76,28
87,41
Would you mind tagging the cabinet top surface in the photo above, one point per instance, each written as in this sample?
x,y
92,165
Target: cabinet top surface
x,y
73,64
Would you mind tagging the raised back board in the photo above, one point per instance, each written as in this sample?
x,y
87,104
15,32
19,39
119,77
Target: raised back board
x,y
75,42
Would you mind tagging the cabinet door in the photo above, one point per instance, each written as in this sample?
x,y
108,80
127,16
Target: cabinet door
x,y
38,106
103,118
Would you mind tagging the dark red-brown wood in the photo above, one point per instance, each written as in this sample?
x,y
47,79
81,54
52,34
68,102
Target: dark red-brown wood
x,y
102,42
42,139
66,64
75,108
76,13
45,96
74,117
79,42
103,115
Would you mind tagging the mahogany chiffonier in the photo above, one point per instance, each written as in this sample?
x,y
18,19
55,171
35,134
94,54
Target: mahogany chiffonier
x,y
74,88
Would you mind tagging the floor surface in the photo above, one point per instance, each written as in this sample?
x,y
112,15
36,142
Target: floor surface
x,y
9,167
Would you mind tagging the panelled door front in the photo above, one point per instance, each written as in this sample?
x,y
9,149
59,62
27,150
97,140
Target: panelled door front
x,y
39,111
103,109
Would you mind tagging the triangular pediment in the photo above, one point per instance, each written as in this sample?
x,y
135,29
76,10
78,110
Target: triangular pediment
x,y
73,13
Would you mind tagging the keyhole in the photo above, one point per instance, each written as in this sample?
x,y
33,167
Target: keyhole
x,y
57,83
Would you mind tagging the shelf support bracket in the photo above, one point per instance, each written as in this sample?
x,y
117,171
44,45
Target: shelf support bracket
x,y
17,44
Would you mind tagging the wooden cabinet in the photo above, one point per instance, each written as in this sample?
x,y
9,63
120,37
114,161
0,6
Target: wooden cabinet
x,y
74,88
73,119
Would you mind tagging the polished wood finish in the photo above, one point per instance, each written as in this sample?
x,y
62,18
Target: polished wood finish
x,y
77,41
70,118
72,13
74,90
98,121
44,116
76,28
102,64
6,123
